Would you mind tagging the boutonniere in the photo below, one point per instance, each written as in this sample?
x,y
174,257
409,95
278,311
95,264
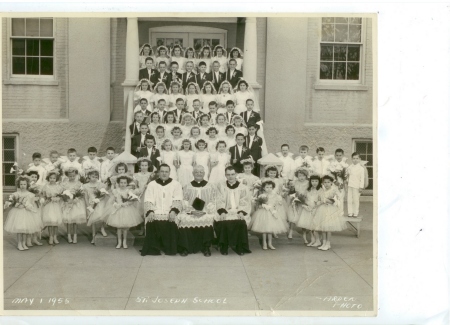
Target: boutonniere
x,y
234,73
252,115
204,77
153,150
244,149
152,74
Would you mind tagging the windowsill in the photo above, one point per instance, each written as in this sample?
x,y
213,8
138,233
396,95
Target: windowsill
x,y
324,86
34,81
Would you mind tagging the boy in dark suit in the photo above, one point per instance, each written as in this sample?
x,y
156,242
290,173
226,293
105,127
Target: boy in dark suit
x,y
254,144
215,76
138,140
138,119
174,75
250,116
239,153
189,75
143,103
230,111
196,113
179,110
202,76
233,75
162,75
148,72
150,152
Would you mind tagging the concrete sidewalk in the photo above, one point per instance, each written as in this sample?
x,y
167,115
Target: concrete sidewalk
x,y
293,277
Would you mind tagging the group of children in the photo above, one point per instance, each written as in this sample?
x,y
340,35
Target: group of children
x,y
305,192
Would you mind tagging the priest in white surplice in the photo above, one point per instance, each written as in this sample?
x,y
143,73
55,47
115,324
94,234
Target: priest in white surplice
x,y
162,203
195,223
232,218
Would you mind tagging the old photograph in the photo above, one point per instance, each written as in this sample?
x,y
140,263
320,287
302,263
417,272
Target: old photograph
x,y
190,163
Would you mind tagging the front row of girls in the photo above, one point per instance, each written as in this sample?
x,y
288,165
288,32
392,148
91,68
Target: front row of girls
x,y
72,203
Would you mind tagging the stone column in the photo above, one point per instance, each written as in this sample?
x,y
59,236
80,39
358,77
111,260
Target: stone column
x,y
250,57
131,59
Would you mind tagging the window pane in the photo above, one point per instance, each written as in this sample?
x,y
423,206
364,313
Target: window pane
x,y
326,69
46,47
341,20
341,33
340,53
18,47
355,33
353,53
8,155
206,42
47,66
339,70
369,147
178,41
160,41
327,20
354,20
169,42
9,142
46,27
326,53
18,65
10,180
352,71
32,65
32,47
215,42
327,33
18,27
32,26
197,44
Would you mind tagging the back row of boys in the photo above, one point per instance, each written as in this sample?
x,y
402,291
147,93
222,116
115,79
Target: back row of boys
x,y
215,76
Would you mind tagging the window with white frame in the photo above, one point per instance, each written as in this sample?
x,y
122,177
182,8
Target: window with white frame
x,y
341,48
9,157
364,148
32,47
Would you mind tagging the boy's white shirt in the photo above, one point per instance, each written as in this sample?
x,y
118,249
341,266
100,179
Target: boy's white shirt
x,y
288,166
89,163
356,176
320,166
72,164
299,161
41,171
104,169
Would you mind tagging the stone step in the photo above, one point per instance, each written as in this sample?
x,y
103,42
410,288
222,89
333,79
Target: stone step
x,y
133,239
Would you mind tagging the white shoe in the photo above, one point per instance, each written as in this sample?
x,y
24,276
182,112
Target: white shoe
x,y
75,239
103,232
275,236
55,240
69,238
119,245
125,244
316,243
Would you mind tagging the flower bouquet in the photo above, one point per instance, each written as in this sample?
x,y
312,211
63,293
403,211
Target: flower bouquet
x,y
299,199
99,194
261,199
126,201
36,192
338,170
15,169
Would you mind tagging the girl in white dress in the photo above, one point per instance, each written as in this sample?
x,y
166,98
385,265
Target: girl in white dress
x,y
96,207
177,56
230,139
144,52
169,157
328,216
202,156
52,210
299,188
205,56
195,136
203,121
192,93
187,123
176,138
189,54
236,54
146,175
225,94
169,124
186,161
239,126
175,92
142,90
162,54
160,93
208,95
219,161
242,93
307,215
220,55
221,126
212,139
154,123
21,219
160,137
270,216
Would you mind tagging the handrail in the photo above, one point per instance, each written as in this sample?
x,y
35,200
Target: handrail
x,y
129,120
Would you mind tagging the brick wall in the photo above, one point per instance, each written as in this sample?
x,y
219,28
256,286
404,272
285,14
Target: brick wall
x,y
118,55
38,101
337,106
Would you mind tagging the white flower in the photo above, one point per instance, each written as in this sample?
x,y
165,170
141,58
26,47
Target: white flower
x,y
102,190
96,201
15,164
90,209
68,193
159,159
42,200
7,205
12,170
11,198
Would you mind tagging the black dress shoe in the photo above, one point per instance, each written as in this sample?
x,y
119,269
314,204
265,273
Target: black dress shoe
x,y
184,253
240,253
207,252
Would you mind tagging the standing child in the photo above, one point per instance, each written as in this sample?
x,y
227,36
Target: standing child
x,y
53,162
74,211
287,171
299,188
187,123
125,214
220,55
230,114
37,191
155,121
72,162
145,52
204,126
186,160
309,209
21,218
177,101
320,164
355,185
338,169
237,55
105,168
96,197
254,144
195,136
243,92
142,90
162,55
192,94
145,175
160,137
197,112
176,138
208,95
161,109
169,157
238,123
219,161
91,161
205,56
160,93
36,165
225,96
230,139
202,156
270,216
328,217
52,210
212,113
177,56
221,126
189,54
151,153
212,139
303,160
